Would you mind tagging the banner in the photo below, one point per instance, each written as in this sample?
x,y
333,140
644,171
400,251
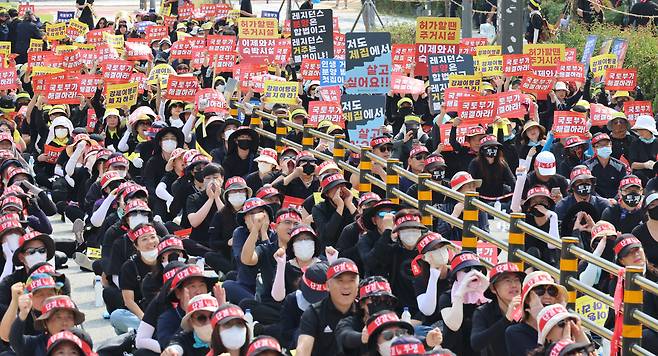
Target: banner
x,y
633,109
116,70
311,34
488,51
443,30
592,310
569,123
39,81
121,95
269,14
114,41
441,67
469,45
600,114
181,87
62,91
620,79
471,82
24,7
221,43
310,69
619,47
401,84
214,101
364,117
162,69
571,71
477,110
445,129
280,92
451,97
56,31
8,78
516,64
76,29
139,78
598,64
332,72
509,104
544,55
283,51
259,81
319,111
403,58
222,61
368,64
156,33
331,93
254,27
65,16
570,55
96,37
182,49
536,84
138,51
489,66
52,153
88,83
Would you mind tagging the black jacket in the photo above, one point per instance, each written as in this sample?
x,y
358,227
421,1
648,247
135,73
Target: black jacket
x,y
488,331
27,345
328,223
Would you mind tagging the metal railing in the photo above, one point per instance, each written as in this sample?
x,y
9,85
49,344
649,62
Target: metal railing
x,y
570,253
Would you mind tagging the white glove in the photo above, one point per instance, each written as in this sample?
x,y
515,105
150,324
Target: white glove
x,y
138,162
111,148
168,203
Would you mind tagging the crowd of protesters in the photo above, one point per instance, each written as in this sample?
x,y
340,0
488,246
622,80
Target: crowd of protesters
x,y
212,242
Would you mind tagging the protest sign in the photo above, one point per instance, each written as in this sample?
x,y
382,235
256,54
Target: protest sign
x,y
52,153
510,104
401,84
76,29
471,82
310,69
254,27
477,109
88,83
114,41
569,123
275,92
156,33
451,97
139,78
600,114
598,64
516,64
403,58
489,66
92,120
368,64
65,16
182,49
545,71
257,51
63,91
570,55
220,43
39,81
488,51
443,30
633,109
121,95
209,100
311,34
95,37
106,52
259,81
469,45
222,61
571,71
620,79
5,48
445,129
319,111
185,11
605,46
485,250
138,51
331,93
339,45
199,59
282,51
269,14
441,66
619,48
8,78
364,117
162,69
332,72
536,84
116,70
22,7
244,74
593,310
56,31
35,45
544,55
37,59
181,87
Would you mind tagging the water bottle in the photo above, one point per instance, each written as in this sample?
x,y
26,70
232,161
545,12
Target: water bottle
x,y
98,288
406,315
250,322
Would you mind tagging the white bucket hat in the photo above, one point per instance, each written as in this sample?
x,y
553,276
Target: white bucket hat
x,y
560,86
549,317
545,163
645,122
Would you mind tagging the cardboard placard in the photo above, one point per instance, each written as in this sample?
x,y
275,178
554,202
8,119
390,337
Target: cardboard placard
x,y
570,55
92,120
36,45
571,71
253,27
222,61
181,88
214,101
635,108
139,78
600,114
619,48
516,64
121,95
339,45
276,92
445,129
182,49
138,51
441,66
332,72
471,82
56,31
401,84
319,111
477,109
569,123
368,63
451,97
311,34
536,84
620,79
88,84
63,91
8,78
282,51
96,36
592,310
65,16
116,70
489,66
440,30
331,93
244,74
24,7
492,50
156,33
259,81
221,43
76,29
598,64
310,69
424,50
403,58
114,41
510,105
257,51
469,45
544,55
588,50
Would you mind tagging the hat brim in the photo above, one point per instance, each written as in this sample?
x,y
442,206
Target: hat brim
x,y
536,124
547,171
239,217
50,247
210,282
369,213
409,225
334,184
561,289
58,285
541,336
266,159
436,244
650,129
372,339
478,183
185,322
171,248
312,296
70,148
470,263
493,280
78,317
225,192
609,123
59,341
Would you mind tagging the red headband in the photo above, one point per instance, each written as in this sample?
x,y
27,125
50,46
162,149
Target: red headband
x,y
389,317
559,346
503,268
407,349
189,271
374,287
380,141
331,178
61,302
626,242
544,164
630,181
169,243
465,257
342,267
318,287
549,314
202,303
265,342
226,313
406,218
234,180
579,171
133,235
69,336
289,216
434,159
460,179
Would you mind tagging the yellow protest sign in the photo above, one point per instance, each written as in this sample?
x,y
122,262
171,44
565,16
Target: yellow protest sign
x,y
65,49
233,15
489,66
39,70
87,46
76,28
114,41
544,55
257,27
592,309
120,95
443,30
165,8
36,45
488,50
598,64
181,34
93,253
471,82
5,48
56,31
276,92
158,71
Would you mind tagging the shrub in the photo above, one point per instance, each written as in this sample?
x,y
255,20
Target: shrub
x,y
402,32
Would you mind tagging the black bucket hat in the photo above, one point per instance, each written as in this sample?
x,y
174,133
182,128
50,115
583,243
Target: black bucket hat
x,y
369,213
313,284
251,204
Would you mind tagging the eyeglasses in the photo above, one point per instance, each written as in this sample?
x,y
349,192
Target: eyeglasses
x,y
390,334
551,290
32,250
381,214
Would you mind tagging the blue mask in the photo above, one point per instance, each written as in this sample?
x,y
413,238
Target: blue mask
x,y
510,137
120,213
604,152
647,140
533,143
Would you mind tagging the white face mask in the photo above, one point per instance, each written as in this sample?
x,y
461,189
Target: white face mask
x,y
12,241
385,348
176,122
33,259
134,221
61,133
150,255
204,332
220,88
234,337
122,174
227,134
409,237
264,167
304,249
237,199
438,257
169,145
180,259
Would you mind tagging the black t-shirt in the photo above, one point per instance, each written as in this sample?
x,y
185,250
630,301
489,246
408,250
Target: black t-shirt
x,y
194,203
623,220
649,245
267,266
131,277
319,321
555,181
297,188
520,338
253,181
420,287
458,341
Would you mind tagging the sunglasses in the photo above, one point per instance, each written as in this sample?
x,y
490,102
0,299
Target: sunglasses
x,y
385,148
390,334
381,214
420,157
201,319
32,250
551,290
562,323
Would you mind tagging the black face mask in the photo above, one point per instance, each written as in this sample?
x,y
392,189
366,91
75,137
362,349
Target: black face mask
x,y
583,189
631,199
533,211
274,206
198,176
174,257
308,169
244,144
491,152
653,213
438,175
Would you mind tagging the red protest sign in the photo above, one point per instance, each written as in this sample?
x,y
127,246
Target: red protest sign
x,y
462,129
339,45
169,21
571,71
71,60
319,111
570,55
8,78
423,50
37,59
532,83
569,123
136,51
24,7
633,109
52,153
213,101
199,59
222,61
39,81
282,51
116,71
477,110
600,114
95,37
310,69
469,45
404,57
222,10
185,11
259,81
92,120
221,43
244,74
105,52
331,93
510,104
486,251
141,79
292,202
209,10
181,88
620,79
516,64
88,84
545,71
181,49
156,33
401,84
88,57
64,91
256,50
451,97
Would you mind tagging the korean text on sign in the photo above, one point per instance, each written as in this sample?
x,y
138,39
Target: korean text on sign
x,y
368,63
544,55
181,88
478,109
319,111
311,34
600,114
65,91
598,64
516,64
438,30
633,109
536,84
620,79
121,95
571,71
280,92
252,27
569,123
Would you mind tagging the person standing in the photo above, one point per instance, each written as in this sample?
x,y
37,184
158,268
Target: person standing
x,y
86,14
25,30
